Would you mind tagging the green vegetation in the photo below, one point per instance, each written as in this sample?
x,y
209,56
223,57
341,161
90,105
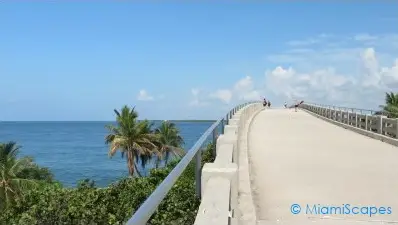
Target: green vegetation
x,y
137,140
391,105
29,194
12,183
168,142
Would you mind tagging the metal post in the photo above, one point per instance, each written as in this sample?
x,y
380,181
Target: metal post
x,y
215,141
198,173
222,126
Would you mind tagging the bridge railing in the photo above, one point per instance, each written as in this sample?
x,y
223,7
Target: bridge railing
x,y
145,211
348,109
357,118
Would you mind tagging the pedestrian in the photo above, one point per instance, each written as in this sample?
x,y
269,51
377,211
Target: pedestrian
x,y
297,105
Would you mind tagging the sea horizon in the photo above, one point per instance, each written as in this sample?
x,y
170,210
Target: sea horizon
x,y
76,150
102,121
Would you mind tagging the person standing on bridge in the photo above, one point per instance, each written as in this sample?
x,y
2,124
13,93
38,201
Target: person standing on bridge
x,y
265,102
297,105
285,105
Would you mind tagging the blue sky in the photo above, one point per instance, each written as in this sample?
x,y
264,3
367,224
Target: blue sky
x,y
79,61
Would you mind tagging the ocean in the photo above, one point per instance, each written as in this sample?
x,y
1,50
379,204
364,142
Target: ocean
x,y
77,150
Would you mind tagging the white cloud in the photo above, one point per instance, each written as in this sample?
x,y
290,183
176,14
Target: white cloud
x,y
365,88
245,90
197,100
242,90
144,96
364,37
303,42
224,95
352,71
390,75
195,91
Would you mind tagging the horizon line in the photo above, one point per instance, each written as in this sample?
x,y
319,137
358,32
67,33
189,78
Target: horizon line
x,y
103,120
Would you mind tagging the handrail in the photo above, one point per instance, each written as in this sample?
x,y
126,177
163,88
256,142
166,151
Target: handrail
x,y
372,111
145,211
379,126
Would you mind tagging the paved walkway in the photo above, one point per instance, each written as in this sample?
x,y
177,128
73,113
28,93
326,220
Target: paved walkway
x,y
297,158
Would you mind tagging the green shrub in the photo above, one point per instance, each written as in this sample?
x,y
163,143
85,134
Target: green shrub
x,y
51,204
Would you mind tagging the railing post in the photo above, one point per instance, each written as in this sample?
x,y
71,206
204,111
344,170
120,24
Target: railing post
x,y
366,122
334,113
198,173
215,141
222,126
396,128
356,119
380,124
341,116
328,112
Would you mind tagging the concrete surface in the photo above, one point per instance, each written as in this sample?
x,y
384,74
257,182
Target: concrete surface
x,y
296,158
246,212
222,181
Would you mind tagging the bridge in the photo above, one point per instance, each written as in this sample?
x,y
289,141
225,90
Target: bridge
x,y
319,165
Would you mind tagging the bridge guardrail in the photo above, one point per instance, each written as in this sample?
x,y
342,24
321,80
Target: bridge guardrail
x,y
222,179
358,120
348,109
145,211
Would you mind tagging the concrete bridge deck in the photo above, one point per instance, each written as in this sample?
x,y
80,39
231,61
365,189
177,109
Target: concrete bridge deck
x,y
297,158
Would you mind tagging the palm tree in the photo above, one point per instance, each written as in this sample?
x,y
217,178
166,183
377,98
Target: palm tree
x,y
169,142
11,183
131,137
391,105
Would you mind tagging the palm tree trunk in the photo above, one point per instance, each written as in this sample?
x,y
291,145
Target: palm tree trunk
x,y
130,162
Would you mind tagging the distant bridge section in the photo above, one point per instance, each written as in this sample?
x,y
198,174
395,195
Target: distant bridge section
x,y
358,120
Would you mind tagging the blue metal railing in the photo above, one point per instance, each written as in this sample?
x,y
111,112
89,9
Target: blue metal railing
x,y
144,213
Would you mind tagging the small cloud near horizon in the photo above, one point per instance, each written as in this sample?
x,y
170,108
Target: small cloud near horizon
x,y
144,96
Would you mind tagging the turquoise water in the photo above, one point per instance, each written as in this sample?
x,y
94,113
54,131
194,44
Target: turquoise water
x,y
76,150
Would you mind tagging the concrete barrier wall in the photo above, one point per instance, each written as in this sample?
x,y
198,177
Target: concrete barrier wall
x,y
375,126
220,180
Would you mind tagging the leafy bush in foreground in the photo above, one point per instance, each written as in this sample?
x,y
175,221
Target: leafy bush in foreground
x,y
53,205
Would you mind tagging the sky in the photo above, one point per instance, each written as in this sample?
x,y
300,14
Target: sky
x,y
76,61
